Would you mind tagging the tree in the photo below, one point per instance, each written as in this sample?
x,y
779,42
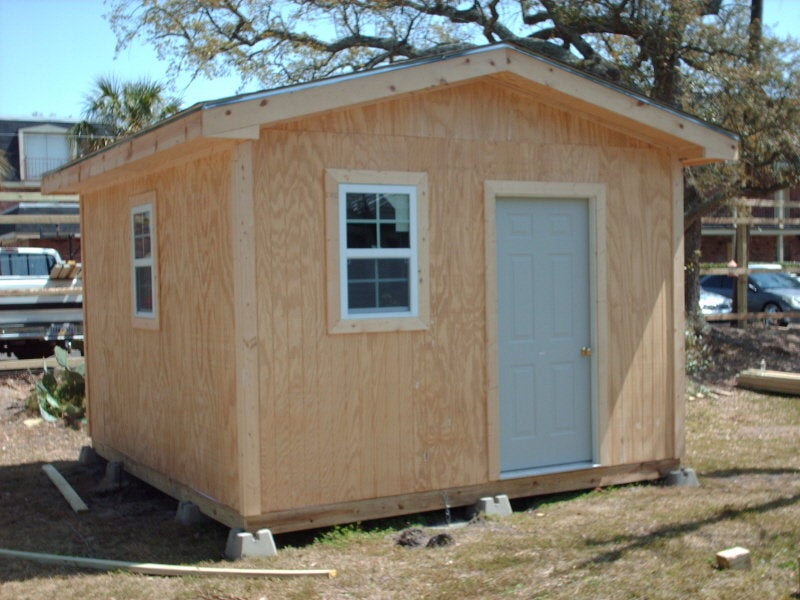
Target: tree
x,y
115,109
709,57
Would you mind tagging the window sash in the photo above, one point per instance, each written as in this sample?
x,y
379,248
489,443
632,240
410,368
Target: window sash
x,y
143,261
409,253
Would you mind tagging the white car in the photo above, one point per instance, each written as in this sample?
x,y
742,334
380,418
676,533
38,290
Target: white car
x,y
714,304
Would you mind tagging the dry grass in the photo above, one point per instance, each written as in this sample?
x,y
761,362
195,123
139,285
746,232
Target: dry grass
x,y
638,541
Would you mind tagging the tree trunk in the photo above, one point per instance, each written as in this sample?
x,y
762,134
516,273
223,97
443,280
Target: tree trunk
x,y
691,292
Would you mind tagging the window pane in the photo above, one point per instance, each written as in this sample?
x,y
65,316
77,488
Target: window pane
x,y
142,247
393,294
395,207
361,295
391,237
361,269
361,235
393,268
38,265
144,289
361,206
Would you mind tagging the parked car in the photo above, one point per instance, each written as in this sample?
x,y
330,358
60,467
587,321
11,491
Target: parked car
x,y
771,292
714,304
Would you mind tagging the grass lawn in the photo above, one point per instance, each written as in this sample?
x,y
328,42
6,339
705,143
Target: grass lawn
x,y
637,541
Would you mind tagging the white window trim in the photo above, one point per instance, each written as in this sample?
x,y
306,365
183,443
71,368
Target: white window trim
x,y
144,203
337,183
409,253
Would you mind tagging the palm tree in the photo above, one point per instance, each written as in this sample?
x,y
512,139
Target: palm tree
x,y
116,109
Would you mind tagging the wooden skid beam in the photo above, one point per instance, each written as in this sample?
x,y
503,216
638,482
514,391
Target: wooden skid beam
x,y
364,510
780,382
159,569
207,505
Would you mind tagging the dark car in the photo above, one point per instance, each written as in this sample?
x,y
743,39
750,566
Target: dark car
x,y
766,292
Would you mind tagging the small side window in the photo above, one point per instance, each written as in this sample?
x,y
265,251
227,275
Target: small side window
x,y
144,271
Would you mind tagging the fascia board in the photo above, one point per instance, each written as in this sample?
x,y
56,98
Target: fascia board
x,y
697,141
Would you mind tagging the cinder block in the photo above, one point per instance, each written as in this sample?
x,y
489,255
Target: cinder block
x,y
499,506
112,481
682,477
734,558
88,457
242,544
189,514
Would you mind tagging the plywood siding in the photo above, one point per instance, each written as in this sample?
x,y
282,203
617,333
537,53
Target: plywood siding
x,y
165,398
347,417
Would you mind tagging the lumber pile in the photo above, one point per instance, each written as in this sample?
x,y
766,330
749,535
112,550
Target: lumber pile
x,y
67,270
779,382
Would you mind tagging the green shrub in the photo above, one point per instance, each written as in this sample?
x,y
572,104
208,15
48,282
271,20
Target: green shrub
x,y
60,393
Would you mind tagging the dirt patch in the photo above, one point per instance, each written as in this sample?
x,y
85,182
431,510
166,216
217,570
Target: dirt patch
x,y
723,351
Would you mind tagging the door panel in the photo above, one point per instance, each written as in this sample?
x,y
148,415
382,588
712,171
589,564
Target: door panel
x,y
544,321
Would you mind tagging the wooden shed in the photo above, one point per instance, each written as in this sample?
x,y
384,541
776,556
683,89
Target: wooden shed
x,y
391,291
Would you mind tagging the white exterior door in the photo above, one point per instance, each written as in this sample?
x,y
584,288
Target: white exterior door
x,y
544,333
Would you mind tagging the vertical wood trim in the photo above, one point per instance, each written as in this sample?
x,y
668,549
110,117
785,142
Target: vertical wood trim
x,y
492,356
598,249
246,330
88,381
678,316
595,194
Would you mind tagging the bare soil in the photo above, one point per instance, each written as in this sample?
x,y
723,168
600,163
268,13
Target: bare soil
x,y
726,351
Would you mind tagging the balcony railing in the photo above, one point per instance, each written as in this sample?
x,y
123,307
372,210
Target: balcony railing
x,y
36,166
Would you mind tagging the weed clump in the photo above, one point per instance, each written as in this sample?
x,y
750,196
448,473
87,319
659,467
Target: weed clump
x,y
60,393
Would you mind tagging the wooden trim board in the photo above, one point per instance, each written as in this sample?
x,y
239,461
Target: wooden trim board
x,y
248,438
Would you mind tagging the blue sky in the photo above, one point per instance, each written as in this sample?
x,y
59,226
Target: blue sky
x,y
51,51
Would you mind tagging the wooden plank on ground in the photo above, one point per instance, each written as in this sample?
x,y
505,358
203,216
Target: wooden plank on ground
x,y
780,382
159,569
70,495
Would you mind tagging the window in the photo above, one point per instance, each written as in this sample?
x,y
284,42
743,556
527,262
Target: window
x,y
378,253
144,272
380,274
36,265
42,148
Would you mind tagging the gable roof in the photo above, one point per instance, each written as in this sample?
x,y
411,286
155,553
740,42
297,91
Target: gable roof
x,y
241,117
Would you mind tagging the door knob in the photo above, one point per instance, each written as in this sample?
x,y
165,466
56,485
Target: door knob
x,y
586,351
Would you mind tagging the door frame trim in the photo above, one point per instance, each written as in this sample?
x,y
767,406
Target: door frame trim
x,y
595,195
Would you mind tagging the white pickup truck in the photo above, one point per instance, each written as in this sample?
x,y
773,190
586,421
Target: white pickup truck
x,y
41,302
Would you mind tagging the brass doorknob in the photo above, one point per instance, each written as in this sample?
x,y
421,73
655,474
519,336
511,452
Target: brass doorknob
x,y
586,351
